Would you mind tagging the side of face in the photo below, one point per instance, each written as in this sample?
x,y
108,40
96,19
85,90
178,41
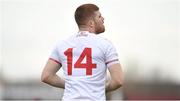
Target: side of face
x,y
99,23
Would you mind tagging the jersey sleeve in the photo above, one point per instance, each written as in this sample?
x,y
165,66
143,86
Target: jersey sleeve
x,y
54,56
111,55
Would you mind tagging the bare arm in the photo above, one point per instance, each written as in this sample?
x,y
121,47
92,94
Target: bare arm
x,y
49,75
116,77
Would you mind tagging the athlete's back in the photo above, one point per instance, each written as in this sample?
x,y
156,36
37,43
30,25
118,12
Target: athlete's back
x,y
84,57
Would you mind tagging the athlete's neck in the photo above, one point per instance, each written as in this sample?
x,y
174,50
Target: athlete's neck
x,y
86,28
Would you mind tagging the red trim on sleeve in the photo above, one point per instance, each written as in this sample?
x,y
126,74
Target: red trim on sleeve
x,y
111,61
55,61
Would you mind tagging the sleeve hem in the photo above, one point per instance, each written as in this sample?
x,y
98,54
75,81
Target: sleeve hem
x,y
111,61
55,61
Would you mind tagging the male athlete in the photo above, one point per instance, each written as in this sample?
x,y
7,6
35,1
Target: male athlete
x,y
84,58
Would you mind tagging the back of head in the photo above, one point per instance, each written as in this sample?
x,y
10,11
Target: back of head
x,y
85,12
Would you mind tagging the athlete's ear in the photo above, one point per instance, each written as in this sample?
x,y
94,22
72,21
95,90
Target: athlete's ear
x,y
91,23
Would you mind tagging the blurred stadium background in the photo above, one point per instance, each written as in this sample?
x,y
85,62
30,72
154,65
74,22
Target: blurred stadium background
x,y
145,32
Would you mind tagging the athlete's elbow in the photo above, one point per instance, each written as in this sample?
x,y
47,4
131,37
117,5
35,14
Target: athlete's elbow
x,y
119,83
45,77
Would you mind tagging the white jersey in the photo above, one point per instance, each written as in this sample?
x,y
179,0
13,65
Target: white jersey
x,y
85,58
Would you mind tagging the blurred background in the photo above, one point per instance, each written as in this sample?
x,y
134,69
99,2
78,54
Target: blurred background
x,y
146,34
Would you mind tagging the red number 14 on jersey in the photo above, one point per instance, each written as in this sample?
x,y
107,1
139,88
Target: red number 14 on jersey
x,y
87,53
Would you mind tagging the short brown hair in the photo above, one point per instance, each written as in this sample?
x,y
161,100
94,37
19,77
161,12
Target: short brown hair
x,y
84,12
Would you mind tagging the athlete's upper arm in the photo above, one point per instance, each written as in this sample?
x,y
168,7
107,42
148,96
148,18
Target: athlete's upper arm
x,y
116,73
51,67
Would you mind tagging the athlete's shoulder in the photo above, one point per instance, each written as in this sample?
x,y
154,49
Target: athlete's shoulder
x,y
66,42
104,40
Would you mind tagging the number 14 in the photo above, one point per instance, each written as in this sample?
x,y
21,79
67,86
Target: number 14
x,y
87,52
